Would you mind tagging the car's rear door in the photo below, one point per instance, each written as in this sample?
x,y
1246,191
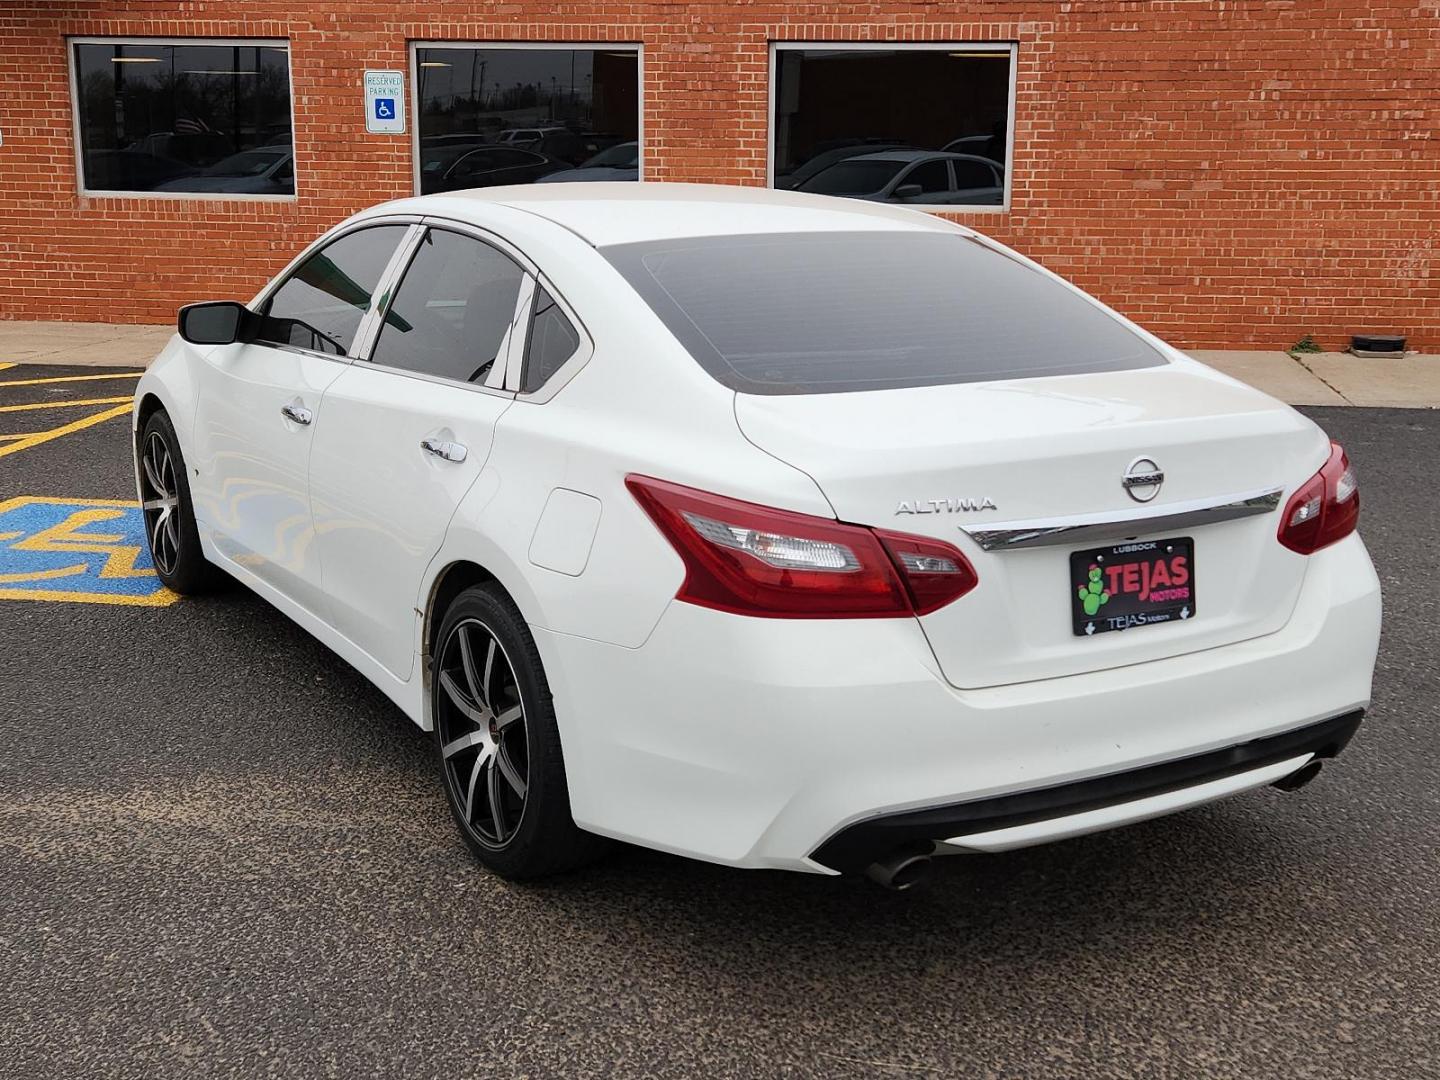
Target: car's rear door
x,y
259,408
408,430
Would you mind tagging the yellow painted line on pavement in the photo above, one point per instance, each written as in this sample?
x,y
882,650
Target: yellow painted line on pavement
x,y
163,598
66,429
64,404
4,367
71,378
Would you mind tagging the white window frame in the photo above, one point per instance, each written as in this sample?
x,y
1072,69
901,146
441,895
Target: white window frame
x,y
1001,48
593,46
142,41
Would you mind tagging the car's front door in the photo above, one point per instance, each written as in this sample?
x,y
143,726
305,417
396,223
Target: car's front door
x,y
258,409
407,432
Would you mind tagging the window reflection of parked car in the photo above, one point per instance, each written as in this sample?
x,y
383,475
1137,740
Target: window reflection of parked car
x,y
968,144
267,170
826,158
571,147
490,166
619,162
439,152
524,138
197,148
921,177
131,170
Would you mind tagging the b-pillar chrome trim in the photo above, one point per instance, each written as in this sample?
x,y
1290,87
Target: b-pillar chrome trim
x,y
1050,532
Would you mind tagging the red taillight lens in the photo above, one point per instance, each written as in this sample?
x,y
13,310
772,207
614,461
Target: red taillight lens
x,y
755,560
935,573
1325,509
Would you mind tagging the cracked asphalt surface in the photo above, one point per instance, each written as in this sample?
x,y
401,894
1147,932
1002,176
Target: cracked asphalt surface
x,y
222,853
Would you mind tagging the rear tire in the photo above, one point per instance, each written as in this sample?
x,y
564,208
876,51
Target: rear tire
x,y
169,514
497,743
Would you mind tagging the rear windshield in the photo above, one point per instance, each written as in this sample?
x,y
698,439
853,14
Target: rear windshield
x,y
828,312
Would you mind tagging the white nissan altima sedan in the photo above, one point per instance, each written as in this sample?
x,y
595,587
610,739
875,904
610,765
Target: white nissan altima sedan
x,y
765,528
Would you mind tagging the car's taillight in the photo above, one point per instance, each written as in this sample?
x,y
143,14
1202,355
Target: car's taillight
x,y
755,560
1324,509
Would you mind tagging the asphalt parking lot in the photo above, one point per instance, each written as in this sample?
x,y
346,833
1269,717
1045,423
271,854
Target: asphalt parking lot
x,y
222,853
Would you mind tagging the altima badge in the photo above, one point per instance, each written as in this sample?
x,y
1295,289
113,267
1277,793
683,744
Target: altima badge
x,y
944,506
1142,479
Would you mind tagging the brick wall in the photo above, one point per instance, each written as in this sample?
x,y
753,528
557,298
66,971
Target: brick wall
x,y
1228,174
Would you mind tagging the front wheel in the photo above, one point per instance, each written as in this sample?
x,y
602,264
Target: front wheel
x,y
168,512
497,742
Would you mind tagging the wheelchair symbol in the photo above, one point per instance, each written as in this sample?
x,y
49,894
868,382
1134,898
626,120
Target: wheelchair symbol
x,y
384,108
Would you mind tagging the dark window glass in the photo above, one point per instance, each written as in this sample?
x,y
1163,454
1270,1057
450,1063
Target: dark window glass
x,y
321,303
853,178
930,176
973,174
553,340
834,105
452,309
561,106
185,118
808,313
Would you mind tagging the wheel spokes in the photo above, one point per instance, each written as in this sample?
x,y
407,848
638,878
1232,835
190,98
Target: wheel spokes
x,y
497,812
481,730
475,771
507,769
485,683
467,664
152,474
476,714
160,504
464,742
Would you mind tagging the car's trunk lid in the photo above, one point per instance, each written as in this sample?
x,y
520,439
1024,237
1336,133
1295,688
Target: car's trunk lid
x,y
937,461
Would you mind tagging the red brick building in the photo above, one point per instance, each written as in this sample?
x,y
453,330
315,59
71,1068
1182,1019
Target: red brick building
x,y
1235,174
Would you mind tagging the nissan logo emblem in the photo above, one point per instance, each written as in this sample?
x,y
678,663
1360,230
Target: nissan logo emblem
x,y
1142,479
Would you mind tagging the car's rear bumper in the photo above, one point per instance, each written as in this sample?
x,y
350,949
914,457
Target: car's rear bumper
x,y
763,742
1037,815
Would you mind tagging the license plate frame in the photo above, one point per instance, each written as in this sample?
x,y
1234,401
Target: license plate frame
x,y
1131,592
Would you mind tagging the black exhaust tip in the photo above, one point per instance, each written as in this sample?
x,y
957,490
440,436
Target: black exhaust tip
x,y
901,871
1299,778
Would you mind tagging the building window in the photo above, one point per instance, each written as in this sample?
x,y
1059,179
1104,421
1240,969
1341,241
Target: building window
x,y
181,117
922,125
495,114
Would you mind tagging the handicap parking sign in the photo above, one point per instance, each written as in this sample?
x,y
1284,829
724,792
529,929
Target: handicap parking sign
x,y
385,102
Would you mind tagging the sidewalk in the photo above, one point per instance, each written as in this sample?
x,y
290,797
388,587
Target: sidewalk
x,y
1309,379
86,344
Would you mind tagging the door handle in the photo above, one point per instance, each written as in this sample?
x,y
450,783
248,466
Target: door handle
x,y
441,448
298,413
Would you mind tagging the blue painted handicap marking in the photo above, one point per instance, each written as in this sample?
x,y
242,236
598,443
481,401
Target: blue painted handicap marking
x,y
384,108
87,550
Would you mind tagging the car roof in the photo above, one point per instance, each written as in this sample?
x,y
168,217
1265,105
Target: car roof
x,y
917,155
623,212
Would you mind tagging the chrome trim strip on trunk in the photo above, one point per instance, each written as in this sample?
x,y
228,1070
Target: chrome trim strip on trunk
x,y
1049,532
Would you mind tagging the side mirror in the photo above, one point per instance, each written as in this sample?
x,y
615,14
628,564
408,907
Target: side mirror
x,y
217,322
908,191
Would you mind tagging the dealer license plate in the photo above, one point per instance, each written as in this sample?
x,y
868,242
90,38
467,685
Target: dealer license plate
x,y
1139,583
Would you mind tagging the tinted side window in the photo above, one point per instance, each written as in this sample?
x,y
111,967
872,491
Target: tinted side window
x,y
553,340
972,174
321,303
452,309
932,176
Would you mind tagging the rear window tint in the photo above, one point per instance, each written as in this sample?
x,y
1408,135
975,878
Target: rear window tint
x,y
828,312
